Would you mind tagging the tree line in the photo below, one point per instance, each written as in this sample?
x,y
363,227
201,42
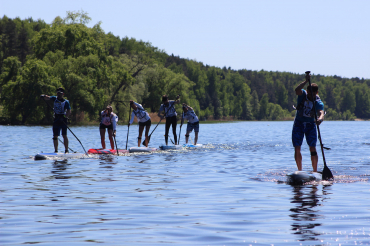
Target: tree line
x,y
98,68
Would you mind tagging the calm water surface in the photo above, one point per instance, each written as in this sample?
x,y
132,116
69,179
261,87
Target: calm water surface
x,y
232,192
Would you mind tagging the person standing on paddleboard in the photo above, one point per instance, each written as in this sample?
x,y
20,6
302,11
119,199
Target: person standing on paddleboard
x,y
193,122
144,121
62,110
170,114
304,122
108,121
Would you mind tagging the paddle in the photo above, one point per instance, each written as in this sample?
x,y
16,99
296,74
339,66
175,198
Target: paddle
x,y
326,173
165,113
116,144
128,127
65,124
182,122
68,146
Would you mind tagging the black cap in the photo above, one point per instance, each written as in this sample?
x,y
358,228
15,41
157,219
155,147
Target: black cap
x,y
60,89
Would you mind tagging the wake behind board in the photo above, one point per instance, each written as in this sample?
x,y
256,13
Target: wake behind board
x,y
44,156
107,151
141,149
301,177
168,147
192,145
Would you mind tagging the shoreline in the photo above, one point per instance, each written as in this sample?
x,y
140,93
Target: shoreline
x,y
95,123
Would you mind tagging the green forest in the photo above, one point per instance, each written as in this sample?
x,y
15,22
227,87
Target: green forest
x,y
98,69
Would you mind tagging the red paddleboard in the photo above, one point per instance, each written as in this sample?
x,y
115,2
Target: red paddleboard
x,y
107,151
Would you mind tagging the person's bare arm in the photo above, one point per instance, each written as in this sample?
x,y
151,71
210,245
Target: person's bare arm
x,y
46,97
320,119
298,89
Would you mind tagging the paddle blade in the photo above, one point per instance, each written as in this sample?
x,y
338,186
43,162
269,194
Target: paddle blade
x,y
326,174
143,143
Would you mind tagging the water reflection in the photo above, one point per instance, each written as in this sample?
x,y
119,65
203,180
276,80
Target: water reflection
x,y
305,214
59,168
108,161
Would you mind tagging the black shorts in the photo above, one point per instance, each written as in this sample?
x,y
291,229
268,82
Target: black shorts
x,y
146,123
102,126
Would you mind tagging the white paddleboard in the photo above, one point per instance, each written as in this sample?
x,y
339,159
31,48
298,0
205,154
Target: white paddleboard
x,y
192,145
168,147
300,177
141,149
44,156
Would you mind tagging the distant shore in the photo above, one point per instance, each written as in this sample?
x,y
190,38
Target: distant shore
x,y
155,120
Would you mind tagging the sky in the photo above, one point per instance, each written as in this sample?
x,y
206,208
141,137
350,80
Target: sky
x,y
325,37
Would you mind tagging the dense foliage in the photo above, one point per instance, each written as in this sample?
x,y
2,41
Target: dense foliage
x,y
98,69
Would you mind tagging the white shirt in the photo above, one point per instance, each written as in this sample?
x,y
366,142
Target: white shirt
x,y
109,119
140,113
191,116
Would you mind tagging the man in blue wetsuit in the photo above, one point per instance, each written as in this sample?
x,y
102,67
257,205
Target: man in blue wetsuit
x,y
304,122
62,109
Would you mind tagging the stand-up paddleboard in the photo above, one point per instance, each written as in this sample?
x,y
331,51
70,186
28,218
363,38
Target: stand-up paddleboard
x,y
192,145
168,147
301,177
44,156
141,149
107,151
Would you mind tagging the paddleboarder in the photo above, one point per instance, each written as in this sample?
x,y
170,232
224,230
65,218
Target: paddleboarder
x,y
304,122
168,107
62,110
144,121
108,121
193,122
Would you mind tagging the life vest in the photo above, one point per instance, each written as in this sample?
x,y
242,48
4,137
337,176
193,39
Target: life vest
x,y
108,119
140,113
305,107
169,109
191,116
59,106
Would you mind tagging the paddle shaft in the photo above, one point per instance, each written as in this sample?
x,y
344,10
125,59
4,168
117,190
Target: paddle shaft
x,y
66,125
115,141
318,128
128,128
68,146
182,121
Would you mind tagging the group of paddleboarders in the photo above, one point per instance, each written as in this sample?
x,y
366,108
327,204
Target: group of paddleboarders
x,y
304,123
62,110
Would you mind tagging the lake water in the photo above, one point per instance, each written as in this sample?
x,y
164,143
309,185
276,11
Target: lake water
x,y
232,192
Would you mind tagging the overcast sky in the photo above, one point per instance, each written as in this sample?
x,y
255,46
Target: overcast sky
x,y
326,37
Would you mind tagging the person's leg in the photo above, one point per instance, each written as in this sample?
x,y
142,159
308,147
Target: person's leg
x,y
102,137
141,129
110,134
55,142
168,124
56,132
187,136
147,128
196,131
65,138
297,139
314,158
174,125
298,157
311,138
